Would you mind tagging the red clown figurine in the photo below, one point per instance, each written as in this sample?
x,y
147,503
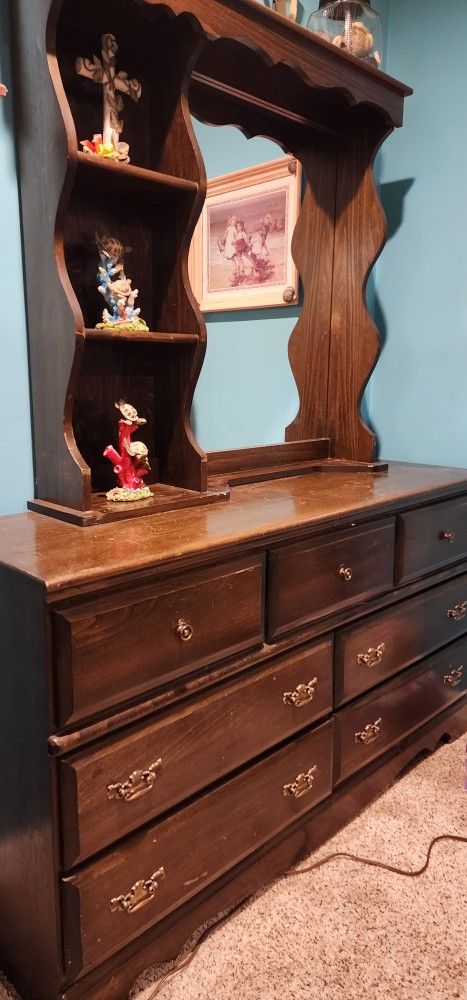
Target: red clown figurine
x,y
131,464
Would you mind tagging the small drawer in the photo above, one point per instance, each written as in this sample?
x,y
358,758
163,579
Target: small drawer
x,y
128,780
430,538
111,902
312,579
388,641
375,723
115,648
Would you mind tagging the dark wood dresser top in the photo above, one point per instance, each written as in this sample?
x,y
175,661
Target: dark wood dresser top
x,y
67,557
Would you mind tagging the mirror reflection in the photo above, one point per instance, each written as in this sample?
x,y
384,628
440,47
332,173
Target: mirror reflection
x,y
245,280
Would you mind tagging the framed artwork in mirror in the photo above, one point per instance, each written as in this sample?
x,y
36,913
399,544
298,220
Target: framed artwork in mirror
x,y
240,256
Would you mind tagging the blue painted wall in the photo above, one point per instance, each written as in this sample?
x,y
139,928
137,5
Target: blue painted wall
x,y
16,477
418,396
420,278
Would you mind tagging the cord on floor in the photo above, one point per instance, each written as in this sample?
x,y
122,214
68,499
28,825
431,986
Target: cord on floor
x,y
185,962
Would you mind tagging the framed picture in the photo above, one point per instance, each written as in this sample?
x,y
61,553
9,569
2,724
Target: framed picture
x,y
240,256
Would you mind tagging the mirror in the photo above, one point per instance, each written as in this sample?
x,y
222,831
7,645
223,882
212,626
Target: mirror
x,y
246,394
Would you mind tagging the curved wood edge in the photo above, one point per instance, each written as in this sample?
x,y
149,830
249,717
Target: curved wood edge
x,y
315,61
114,979
360,235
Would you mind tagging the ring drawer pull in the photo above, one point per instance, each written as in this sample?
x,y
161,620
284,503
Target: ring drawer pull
x,y
458,613
184,630
303,694
373,656
345,573
447,536
302,785
140,894
370,733
136,785
455,677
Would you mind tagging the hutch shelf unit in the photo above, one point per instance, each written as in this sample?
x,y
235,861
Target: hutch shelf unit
x,y
320,105
198,693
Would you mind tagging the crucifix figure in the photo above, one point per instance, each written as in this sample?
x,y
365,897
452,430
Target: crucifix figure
x,y
114,85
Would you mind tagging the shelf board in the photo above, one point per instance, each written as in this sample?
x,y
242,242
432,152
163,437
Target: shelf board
x,y
145,338
126,176
164,498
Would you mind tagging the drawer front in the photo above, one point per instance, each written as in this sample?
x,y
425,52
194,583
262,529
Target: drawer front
x,y
386,642
127,781
368,728
112,901
430,538
108,652
314,579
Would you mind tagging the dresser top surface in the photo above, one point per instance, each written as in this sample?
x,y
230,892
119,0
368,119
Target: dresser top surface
x,y
64,556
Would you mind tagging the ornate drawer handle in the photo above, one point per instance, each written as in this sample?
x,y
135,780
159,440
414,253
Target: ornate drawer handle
x,y
447,536
136,785
140,894
369,734
302,785
455,677
345,573
185,630
458,613
303,694
373,656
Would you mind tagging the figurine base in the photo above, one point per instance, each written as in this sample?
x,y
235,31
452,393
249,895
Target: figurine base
x,y
132,326
122,494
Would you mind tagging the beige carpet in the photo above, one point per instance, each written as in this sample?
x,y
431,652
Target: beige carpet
x,y
347,931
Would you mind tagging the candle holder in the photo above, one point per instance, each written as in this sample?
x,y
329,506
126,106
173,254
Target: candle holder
x,y
352,26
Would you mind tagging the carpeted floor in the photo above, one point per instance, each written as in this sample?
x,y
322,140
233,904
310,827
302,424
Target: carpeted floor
x,y
348,931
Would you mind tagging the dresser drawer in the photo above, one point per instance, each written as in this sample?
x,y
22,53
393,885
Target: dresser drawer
x,y
110,902
312,579
113,649
430,538
386,642
126,781
368,728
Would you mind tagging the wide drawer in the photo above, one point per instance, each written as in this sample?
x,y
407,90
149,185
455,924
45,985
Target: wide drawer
x,y
430,538
112,901
368,728
312,579
112,649
126,781
390,640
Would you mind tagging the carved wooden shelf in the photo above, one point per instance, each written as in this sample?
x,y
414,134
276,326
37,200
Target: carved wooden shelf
x,y
325,107
143,338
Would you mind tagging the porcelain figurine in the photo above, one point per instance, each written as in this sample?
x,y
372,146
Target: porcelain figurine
x,y
114,85
131,462
116,288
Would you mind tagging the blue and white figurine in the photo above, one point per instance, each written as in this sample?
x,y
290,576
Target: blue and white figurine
x,y
116,288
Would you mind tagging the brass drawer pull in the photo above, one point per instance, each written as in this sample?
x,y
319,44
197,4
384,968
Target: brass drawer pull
x,y
369,734
302,785
455,677
136,785
447,536
140,894
345,573
373,656
185,630
458,613
303,694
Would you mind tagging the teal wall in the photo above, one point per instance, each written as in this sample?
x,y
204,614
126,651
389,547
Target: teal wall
x,y
16,476
418,396
420,279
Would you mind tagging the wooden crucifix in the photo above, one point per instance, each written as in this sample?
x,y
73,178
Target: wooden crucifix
x,y
114,85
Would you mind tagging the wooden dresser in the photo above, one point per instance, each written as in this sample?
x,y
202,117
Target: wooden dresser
x,y
191,704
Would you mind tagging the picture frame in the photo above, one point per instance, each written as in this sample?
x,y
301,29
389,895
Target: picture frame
x,y
250,266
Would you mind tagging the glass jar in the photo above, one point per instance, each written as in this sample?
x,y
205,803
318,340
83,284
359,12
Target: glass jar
x,y
352,25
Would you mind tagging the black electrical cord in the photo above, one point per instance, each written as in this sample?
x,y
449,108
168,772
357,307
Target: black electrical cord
x,y
185,962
